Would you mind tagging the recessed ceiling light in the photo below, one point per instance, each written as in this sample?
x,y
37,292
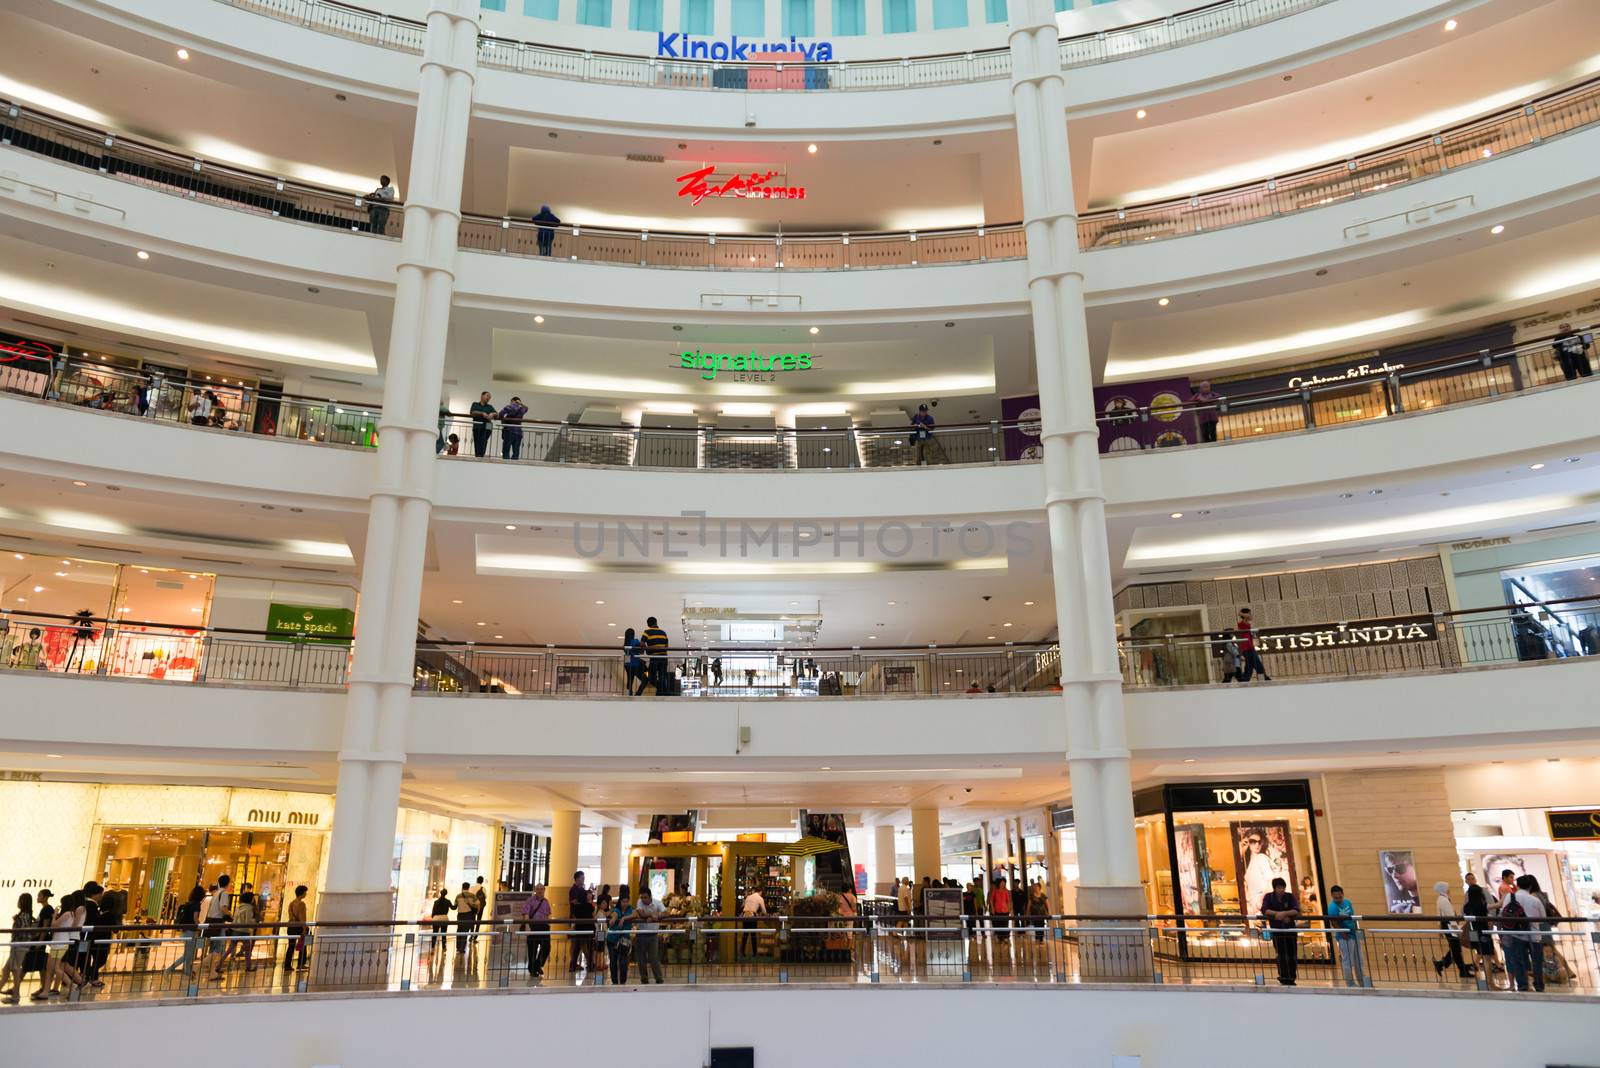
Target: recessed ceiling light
x,y
1176,515
988,637
816,330
1188,760
1497,229
1139,114
1005,624
1028,604
538,318
80,485
599,602
511,526
61,574
497,637
183,53
142,254
825,768
38,589
1449,25
872,637
610,624
455,601
891,604
1536,467
52,756
481,623
1164,301
811,149
19,556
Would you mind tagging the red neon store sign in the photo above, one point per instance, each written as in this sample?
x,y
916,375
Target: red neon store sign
x,y
752,186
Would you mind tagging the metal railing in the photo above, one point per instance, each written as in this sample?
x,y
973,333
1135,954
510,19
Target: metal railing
x,y
1470,376
1356,648
524,57
206,401
1366,648
165,652
1476,141
155,963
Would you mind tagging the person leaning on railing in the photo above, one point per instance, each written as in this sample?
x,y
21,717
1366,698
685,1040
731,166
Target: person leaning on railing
x,y
1347,936
1207,399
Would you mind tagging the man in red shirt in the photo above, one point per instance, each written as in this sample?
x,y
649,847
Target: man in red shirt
x,y
1000,908
1247,649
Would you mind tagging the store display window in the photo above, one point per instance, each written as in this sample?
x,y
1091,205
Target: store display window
x,y
1558,846
1212,849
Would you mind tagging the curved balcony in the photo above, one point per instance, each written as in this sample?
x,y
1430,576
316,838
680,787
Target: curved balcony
x,y
1402,393
1532,123
1416,644
711,73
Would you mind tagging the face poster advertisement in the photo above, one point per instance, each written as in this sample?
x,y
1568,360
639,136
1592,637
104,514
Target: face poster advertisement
x,y
1490,865
1399,875
1261,854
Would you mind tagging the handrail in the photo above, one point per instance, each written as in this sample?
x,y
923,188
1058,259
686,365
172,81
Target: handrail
x,y
1528,124
12,616
595,65
1487,374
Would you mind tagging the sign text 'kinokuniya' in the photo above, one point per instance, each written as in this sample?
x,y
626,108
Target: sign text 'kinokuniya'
x,y
682,46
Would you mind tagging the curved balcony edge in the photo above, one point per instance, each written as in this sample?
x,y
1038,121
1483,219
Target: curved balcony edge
x,y
1461,709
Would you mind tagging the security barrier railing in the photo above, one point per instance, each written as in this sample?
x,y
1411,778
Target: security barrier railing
x,y
1355,648
680,72
85,644
163,962
1477,141
175,399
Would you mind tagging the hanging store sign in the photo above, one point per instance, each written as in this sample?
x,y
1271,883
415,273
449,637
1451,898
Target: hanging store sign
x,y
684,46
1349,374
757,185
1578,826
1361,634
1207,797
288,622
745,366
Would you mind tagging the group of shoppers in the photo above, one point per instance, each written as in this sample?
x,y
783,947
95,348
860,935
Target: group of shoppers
x,y
483,415
1520,912
69,944
607,931
1241,660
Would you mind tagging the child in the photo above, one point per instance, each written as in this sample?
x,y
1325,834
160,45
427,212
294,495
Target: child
x,y
1231,671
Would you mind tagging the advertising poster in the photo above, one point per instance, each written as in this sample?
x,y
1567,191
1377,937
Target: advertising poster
x,y
1194,878
942,907
1261,854
1021,439
1398,872
1123,428
1490,865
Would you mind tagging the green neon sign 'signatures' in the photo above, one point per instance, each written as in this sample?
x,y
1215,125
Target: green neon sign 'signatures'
x,y
709,363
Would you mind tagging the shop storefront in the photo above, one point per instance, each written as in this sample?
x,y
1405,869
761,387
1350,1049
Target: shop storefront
x,y
1551,580
50,590
1558,846
156,842
1214,848
433,853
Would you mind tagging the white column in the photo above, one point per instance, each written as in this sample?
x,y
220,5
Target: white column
x,y
611,857
1097,749
884,860
373,749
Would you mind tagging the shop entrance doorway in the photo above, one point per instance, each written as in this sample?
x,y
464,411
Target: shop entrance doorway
x,y
1158,662
158,866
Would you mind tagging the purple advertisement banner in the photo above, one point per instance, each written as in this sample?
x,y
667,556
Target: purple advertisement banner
x,y
1166,426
